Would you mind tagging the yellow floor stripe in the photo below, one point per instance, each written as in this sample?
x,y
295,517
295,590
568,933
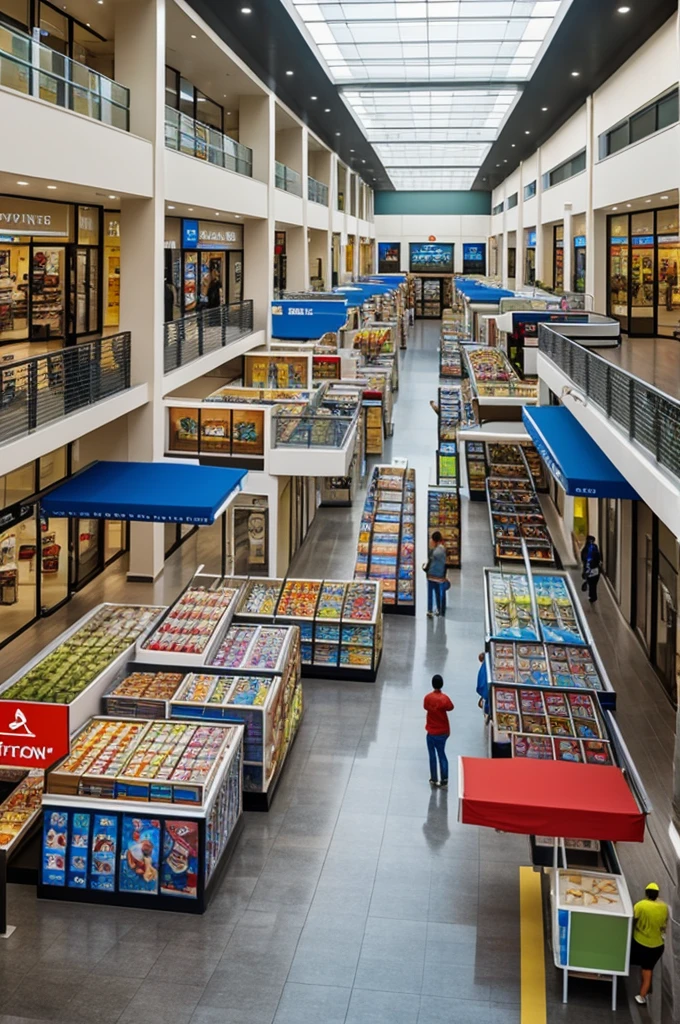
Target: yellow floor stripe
x,y
534,1010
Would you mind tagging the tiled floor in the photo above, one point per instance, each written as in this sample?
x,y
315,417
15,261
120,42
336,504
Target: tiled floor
x,y
358,899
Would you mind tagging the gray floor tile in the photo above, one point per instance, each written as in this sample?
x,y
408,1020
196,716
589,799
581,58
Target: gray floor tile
x,y
389,975
310,1004
368,1007
158,1001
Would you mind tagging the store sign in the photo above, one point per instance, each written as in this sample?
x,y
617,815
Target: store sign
x,y
643,239
426,257
189,234
531,239
23,217
309,320
668,238
33,735
432,238
616,240
474,253
389,256
579,241
205,234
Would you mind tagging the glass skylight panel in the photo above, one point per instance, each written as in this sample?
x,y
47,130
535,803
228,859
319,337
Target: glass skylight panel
x,y
412,42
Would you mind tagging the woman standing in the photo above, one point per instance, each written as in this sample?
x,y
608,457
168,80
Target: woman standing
x,y
592,565
436,575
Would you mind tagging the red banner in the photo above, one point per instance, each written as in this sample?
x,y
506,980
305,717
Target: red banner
x,y
33,735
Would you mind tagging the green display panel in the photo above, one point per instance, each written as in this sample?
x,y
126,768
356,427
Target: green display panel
x,y
598,942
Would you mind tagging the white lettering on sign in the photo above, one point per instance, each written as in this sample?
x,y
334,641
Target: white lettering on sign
x,y
27,753
586,490
300,311
29,219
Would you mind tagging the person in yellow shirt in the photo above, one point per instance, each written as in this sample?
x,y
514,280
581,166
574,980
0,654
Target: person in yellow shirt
x,y
650,920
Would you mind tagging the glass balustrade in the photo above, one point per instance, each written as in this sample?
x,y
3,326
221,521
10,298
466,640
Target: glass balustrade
x,y
317,192
184,134
287,179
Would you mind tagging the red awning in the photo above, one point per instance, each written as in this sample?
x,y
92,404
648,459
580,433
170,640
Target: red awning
x,y
549,798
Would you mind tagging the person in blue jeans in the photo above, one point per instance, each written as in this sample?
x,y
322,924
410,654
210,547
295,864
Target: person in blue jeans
x,y
436,576
437,705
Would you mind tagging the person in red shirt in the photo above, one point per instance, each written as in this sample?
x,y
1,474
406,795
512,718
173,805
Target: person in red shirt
x,y
437,705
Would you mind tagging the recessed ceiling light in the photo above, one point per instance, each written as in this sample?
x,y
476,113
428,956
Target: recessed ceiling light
x,y
193,36
629,205
623,10
217,213
338,133
512,145
112,197
614,207
544,109
171,207
575,74
238,216
191,209
52,187
246,10
229,113
289,73
363,162
22,183
313,97
505,161
663,197
351,150
648,200
527,133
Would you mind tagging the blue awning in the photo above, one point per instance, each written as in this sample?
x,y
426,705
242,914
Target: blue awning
x,y
153,492
571,455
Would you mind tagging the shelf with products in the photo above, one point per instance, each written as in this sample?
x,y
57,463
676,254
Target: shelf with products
x,y
443,514
538,664
142,814
494,379
20,809
549,725
386,545
376,382
191,629
475,456
541,608
78,667
447,463
513,521
144,694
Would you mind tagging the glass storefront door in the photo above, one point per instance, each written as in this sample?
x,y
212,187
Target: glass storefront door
x,y
644,528
48,291
644,272
213,279
18,575
235,277
88,550
84,291
558,258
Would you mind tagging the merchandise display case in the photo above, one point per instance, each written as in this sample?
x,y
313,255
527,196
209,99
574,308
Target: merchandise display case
x,y
548,724
78,667
20,809
542,608
340,623
142,814
513,521
373,406
592,925
562,665
256,649
386,545
142,695
494,378
450,358
443,514
191,629
326,367
476,470
447,463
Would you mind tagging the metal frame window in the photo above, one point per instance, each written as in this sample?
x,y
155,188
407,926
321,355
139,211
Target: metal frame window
x,y
512,201
498,209
567,169
654,117
530,190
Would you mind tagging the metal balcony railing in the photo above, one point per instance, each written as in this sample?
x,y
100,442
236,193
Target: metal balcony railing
x,y
194,138
29,67
645,414
287,179
317,192
35,392
196,335
308,430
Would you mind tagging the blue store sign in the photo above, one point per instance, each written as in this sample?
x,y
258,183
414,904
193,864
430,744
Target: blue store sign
x,y
189,234
307,320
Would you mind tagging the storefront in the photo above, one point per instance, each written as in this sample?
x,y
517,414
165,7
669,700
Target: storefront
x,y
44,561
579,254
654,612
280,262
432,265
366,262
203,265
558,258
111,268
530,256
50,270
642,272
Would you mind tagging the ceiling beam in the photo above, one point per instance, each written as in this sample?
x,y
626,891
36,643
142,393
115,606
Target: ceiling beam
x,y
495,85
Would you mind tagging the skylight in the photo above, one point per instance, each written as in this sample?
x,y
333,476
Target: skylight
x,y
439,73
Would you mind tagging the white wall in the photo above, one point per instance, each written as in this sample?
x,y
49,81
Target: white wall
x,y
454,228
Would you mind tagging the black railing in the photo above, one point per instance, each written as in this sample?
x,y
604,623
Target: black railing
x,y
199,333
645,414
35,392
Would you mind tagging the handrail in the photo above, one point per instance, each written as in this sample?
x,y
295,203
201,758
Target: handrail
x,y
199,333
28,66
193,138
287,179
38,390
646,415
317,191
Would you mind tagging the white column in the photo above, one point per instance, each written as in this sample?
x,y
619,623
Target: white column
x,y
140,64
568,249
503,251
519,243
256,129
540,247
591,245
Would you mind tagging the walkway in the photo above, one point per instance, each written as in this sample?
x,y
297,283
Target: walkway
x,y
654,360
358,899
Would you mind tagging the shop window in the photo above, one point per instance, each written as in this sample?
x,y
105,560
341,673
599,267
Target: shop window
x,y
115,539
54,28
54,562
17,486
580,520
653,118
565,170
498,208
171,88
617,139
186,97
208,112
643,124
18,576
15,13
52,468
667,111
88,225
512,201
512,261
530,190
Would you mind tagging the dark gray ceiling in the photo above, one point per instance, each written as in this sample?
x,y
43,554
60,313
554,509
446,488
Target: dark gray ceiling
x,y
593,39
270,43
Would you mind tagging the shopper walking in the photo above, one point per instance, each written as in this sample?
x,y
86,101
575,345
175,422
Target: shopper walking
x,y
650,920
436,576
214,292
592,565
437,706
483,684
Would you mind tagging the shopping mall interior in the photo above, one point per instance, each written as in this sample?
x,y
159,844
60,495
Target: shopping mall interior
x,y
339,351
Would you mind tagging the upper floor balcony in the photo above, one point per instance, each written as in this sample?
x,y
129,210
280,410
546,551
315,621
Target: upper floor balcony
x,y
287,179
191,137
30,68
317,192
211,330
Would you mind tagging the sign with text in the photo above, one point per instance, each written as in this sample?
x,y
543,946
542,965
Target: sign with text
x,y
474,257
33,735
430,258
307,319
26,217
207,234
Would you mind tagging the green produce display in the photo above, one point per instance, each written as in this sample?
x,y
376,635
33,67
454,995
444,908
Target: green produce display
x,y
69,669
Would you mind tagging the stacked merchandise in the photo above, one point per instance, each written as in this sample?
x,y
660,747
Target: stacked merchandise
x,y
536,466
537,664
255,649
191,628
515,512
86,653
374,341
173,791
443,514
259,599
143,695
512,614
493,375
450,358
326,367
21,810
476,469
550,724
455,410
386,546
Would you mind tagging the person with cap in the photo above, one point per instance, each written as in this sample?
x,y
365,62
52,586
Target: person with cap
x,y
650,920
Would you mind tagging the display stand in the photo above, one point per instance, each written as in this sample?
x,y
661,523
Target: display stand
x,y
443,515
386,545
515,513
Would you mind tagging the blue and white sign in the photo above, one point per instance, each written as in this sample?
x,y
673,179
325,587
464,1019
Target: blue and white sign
x,y
474,253
579,241
643,239
431,257
306,320
618,240
189,234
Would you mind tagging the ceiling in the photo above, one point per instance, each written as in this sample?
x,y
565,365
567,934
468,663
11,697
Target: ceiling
x,y
429,81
